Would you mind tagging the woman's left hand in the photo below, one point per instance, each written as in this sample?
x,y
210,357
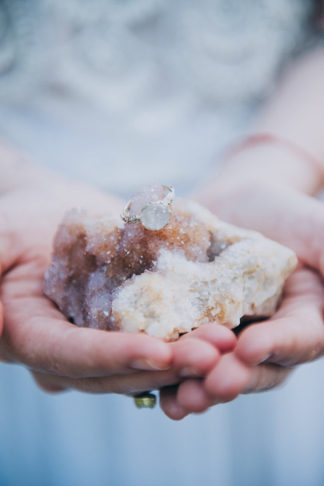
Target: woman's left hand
x,y
265,354
267,351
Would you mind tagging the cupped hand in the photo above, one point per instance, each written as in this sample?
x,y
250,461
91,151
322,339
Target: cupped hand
x,y
265,354
267,351
297,221
36,334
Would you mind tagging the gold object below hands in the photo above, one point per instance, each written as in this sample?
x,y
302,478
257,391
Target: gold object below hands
x,y
145,400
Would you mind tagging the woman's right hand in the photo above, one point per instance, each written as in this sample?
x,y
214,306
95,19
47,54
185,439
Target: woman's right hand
x,y
37,335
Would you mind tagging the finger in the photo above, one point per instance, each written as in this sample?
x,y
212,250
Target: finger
x,y
296,333
227,379
193,357
170,405
46,383
192,397
55,346
265,377
219,336
127,384
225,382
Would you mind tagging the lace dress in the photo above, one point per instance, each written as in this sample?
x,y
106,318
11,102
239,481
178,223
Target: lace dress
x,y
155,85
121,93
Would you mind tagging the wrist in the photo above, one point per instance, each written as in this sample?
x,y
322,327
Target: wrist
x,y
263,159
19,173
27,182
268,157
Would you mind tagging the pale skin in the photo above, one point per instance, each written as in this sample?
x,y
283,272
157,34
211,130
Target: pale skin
x,y
35,334
267,351
207,366
269,188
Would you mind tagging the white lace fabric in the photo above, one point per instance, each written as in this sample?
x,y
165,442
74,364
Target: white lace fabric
x,y
218,50
153,84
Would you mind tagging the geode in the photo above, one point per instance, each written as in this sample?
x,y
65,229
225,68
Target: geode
x,y
107,274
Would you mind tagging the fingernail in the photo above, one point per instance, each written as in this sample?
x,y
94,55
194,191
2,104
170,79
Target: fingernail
x,y
148,365
188,372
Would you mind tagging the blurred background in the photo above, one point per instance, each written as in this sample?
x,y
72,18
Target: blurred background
x,y
121,93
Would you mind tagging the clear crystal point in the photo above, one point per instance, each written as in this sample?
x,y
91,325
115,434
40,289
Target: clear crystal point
x,y
155,216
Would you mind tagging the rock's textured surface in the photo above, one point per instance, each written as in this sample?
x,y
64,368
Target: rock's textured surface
x,y
110,275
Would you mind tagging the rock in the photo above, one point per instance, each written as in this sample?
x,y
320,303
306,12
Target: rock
x,y
107,274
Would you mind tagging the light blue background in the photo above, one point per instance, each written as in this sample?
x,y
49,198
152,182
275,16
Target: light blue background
x,y
275,438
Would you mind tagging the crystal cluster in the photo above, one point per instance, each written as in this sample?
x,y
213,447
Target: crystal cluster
x,y
107,274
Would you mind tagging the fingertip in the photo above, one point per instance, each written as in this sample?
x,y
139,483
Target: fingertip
x,y
52,389
224,338
193,397
254,346
162,353
218,335
44,384
143,352
194,357
156,362
227,380
174,411
170,405
90,352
